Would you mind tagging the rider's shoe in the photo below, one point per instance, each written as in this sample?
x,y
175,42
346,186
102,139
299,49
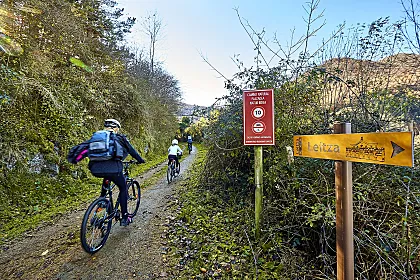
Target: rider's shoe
x,y
126,220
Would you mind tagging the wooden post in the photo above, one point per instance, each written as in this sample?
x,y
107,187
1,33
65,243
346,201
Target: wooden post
x,y
258,158
344,212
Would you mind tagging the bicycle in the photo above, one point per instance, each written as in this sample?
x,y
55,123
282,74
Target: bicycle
x,y
189,148
172,171
97,221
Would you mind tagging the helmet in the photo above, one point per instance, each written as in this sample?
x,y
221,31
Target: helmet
x,y
112,123
174,142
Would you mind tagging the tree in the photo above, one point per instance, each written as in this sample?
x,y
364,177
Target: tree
x,y
183,125
152,26
62,72
411,24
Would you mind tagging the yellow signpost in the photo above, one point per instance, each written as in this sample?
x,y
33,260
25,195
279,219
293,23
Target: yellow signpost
x,y
393,148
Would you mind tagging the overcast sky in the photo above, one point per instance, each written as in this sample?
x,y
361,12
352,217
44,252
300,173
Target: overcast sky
x,y
212,28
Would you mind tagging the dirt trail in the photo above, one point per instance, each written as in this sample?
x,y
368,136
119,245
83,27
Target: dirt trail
x,y
53,251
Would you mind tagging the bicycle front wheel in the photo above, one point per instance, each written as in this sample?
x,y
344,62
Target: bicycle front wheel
x,y
134,196
96,225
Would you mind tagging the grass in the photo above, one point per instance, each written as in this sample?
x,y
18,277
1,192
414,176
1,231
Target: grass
x,y
212,235
204,235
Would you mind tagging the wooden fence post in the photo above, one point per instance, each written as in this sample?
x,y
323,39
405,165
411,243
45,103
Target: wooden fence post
x,y
258,158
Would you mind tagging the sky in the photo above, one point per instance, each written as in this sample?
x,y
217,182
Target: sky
x,y
211,28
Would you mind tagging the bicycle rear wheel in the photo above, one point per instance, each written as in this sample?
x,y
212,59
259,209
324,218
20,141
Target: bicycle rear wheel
x,y
169,174
96,225
134,196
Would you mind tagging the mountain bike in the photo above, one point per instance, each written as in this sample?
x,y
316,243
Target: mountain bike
x,y
98,218
189,148
172,171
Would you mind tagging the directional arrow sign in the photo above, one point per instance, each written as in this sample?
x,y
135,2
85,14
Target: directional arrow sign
x,y
393,148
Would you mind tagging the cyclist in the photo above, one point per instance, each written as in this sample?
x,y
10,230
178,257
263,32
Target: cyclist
x,y
189,141
173,152
113,169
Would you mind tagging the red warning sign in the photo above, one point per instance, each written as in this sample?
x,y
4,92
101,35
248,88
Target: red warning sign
x,y
258,117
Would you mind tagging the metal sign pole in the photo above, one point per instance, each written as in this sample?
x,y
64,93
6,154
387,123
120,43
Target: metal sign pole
x,y
258,157
344,212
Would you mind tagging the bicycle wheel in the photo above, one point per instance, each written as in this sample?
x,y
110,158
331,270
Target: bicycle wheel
x,y
169,174
134,196
173,171
96,225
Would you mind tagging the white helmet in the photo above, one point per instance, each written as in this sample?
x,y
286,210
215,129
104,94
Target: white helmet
x,y
112,123
174,142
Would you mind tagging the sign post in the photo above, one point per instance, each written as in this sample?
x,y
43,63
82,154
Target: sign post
x,y
258,121
344,212
393,148
258,170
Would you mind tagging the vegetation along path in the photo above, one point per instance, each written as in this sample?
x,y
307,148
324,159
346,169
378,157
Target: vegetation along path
x,y
53,251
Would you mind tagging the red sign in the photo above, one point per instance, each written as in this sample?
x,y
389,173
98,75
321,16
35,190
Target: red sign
x,y
258,117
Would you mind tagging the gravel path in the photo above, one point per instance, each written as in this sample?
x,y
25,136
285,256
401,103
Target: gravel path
x,y
53,251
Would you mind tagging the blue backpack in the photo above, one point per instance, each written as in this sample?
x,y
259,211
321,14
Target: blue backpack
x,y
103,145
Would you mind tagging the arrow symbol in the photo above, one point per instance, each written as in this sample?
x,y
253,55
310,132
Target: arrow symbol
x,y
396,149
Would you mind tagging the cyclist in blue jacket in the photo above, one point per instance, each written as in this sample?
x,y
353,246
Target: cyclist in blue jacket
x,y
189,141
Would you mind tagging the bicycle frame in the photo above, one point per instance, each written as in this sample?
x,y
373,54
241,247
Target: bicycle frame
x,y
126,174
114,213
114,208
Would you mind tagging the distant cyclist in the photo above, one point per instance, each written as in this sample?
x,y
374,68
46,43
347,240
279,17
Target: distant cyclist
x,y
173,152
189,141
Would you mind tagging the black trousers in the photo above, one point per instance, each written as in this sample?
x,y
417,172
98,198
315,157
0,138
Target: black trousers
x,y
170,157
119,180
